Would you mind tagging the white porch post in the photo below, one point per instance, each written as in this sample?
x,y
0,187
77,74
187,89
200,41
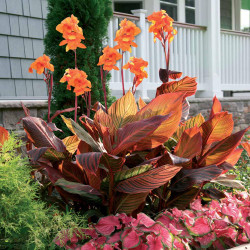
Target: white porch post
x,y
181,11
151,6
142,49
208,14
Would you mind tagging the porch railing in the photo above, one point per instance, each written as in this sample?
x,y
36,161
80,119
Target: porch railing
x,y
188,52
235,60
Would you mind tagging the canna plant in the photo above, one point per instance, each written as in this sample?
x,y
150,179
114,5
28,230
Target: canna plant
x,y
132,157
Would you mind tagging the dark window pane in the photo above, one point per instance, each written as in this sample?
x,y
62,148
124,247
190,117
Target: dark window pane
x,y
171,10
190,16
126,7
169,1
190,3
226,14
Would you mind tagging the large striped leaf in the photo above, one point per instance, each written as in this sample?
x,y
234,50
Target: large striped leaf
x,y
149,180
112,162
41,135
174,74
134,132
196,120
185,110
104,119
187,85
161,105
216,108
217,128
234,157
190,143
141,103
162,133
91,161
47,153
85,191
81,133
182,200
222,150
228,181
246,146
123,110
71,143
187,178
72,172
128,203
125,174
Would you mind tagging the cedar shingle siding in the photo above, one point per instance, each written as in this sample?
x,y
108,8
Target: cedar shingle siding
x,y
22,29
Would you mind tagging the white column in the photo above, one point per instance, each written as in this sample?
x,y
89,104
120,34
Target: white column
x,y
151,6
181,11
208,14
142,49
236,14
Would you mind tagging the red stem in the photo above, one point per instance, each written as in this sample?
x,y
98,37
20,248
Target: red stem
x,y
50,94
103,79
75,95
89,105
75,108
168,60
123,88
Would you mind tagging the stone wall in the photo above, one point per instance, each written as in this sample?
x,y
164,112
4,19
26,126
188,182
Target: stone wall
x,y
239,107
11,111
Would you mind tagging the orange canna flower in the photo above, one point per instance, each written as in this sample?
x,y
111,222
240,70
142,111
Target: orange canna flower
x,y
109,58
162,22
73,41
72,33
125,35
40,64
68,24
136,66
78,79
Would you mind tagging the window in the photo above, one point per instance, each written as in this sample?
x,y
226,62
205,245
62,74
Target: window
x,y
190,11
171,7
126,7
226,14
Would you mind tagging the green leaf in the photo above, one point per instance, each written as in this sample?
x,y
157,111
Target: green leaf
x,y
85,191
125,174
149,180
81,134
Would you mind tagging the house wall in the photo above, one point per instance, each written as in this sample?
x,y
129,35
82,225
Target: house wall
x,y
22,29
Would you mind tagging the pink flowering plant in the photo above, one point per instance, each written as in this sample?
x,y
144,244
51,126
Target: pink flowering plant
x,y
217,225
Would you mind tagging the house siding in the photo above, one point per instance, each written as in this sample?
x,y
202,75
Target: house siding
x,y
22,30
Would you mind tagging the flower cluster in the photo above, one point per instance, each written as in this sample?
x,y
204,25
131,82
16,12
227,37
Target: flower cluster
x,y
220,225
125,35
40,64
78,79
72,33
109,58
162,22
136,66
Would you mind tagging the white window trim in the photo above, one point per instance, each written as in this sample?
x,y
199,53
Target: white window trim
x,y
181,9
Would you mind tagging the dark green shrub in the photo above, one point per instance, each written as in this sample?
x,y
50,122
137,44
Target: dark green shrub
x,y
94,16
25,222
